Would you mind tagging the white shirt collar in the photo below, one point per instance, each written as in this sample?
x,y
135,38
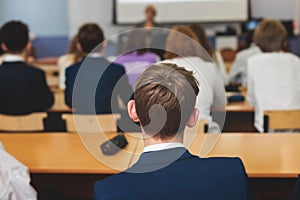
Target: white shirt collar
x,y
163,146
12,58
94,55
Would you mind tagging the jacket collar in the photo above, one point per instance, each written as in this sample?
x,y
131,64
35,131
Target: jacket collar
x,y
155,160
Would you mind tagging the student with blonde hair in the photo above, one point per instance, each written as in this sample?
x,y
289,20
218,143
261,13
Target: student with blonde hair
x,y
274,75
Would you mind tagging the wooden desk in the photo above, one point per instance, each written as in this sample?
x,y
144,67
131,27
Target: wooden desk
x,y
239,116
244,106
55,153
60,106
264,155
59,160
239,107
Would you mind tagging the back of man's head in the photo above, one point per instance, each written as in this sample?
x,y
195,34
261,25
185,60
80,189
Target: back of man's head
x,y
15,36
90,36
172,89
270,35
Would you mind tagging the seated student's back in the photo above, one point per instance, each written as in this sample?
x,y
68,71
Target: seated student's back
x,y
166,169
92,83
23,88
274,75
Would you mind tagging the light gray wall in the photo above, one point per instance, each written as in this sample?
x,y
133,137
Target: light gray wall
x,y
279,9
100,11
44,17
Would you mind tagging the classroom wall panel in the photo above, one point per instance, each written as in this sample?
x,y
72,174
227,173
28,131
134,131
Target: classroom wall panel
x,y
44,17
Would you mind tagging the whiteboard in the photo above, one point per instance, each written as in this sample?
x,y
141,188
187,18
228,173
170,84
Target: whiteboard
x,y
173,11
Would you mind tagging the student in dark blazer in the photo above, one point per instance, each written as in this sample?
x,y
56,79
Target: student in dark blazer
x,y
23,87
93,85
166,169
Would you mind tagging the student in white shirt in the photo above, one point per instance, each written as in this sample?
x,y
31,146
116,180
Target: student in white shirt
x,y
14,179
182,49
238,70
273,76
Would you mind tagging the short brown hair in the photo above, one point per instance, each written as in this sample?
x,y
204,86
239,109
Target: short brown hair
x,y
270,35
90,36
179,45
151,8
174,89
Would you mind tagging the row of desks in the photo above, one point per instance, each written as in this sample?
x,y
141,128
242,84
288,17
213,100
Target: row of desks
x,y
60,106
264,155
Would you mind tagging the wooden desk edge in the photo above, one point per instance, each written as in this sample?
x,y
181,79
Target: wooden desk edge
x,y
73,171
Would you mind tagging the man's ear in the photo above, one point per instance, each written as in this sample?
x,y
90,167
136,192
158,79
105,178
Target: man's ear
x,y
132,111
104,45
4,47
28,47
78,46
193,118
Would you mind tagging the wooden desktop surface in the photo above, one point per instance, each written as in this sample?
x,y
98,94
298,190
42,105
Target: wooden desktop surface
x,y
264,155
59,153
243,106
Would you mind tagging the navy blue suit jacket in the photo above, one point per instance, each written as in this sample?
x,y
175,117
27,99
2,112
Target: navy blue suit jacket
x,y
95,86
23,89
188,177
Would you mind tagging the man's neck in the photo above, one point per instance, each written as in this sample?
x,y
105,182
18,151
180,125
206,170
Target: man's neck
x,y
148,140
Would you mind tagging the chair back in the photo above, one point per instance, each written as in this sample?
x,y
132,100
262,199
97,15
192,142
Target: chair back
x,y
22,123
91,123
281,120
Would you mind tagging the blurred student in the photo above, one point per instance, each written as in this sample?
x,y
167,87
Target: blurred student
x,y
238,70
73,56
183,49
166,169
214,55
14,179
154,36
23,87
274,75
97,82
135,56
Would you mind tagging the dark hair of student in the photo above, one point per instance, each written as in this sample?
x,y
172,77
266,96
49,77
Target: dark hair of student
x,y
15,36
90,36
